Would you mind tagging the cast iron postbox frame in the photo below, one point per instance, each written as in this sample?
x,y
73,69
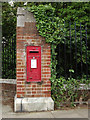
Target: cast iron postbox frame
x,y
33,63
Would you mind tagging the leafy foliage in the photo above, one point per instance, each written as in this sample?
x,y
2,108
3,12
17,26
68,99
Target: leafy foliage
x,y
9,40
50,24
50,19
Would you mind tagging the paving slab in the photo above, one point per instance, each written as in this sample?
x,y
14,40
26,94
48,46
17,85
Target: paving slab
x,y
72,113
8,113
82,112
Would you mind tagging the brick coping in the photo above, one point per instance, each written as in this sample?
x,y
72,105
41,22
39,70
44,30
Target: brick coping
x,y
13,81
8,81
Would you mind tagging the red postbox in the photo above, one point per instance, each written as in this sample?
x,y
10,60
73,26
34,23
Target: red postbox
x,y
33,63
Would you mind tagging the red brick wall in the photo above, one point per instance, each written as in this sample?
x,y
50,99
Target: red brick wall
x,y
28,35
8,93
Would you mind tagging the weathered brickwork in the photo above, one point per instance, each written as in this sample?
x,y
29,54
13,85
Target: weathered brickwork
x,y
28,36
8,93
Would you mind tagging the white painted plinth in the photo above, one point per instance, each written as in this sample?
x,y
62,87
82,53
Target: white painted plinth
x,y
33,104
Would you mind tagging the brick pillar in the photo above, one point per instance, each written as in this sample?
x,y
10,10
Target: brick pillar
x,y
27,35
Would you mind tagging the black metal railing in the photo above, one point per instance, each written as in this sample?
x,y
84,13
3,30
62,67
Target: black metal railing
x,y
9,58
73,52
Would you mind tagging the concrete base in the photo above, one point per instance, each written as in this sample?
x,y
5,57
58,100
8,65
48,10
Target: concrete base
x,y
33,104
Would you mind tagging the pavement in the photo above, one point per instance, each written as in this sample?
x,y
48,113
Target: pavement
x,y
7,112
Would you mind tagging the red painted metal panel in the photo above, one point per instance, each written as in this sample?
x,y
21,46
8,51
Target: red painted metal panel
x,y
33,63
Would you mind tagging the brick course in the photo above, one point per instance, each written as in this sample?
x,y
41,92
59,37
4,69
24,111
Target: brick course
x,y
29,36
8,93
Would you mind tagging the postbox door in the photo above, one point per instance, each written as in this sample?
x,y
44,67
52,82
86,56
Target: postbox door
x,y
34,65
